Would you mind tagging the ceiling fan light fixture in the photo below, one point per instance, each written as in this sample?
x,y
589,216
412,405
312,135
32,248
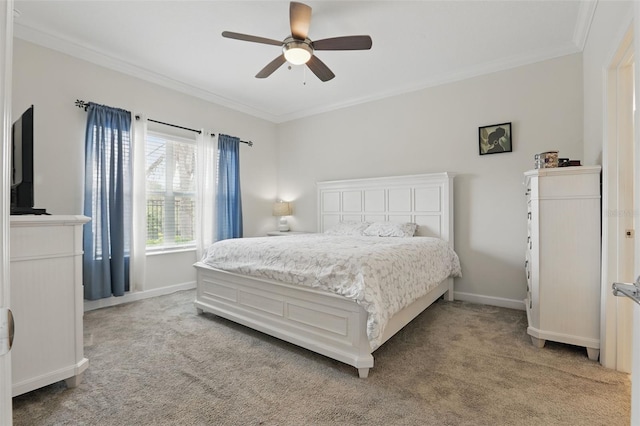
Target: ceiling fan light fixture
x,y
297,48
297,52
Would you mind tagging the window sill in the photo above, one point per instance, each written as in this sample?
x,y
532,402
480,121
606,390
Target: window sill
x,y
170,251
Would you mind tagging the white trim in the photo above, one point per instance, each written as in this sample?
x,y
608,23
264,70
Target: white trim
x,y
611,235
452,77
86,53
480,299
635,320
90,305
583,23
6,58
619,40
93,56
177,249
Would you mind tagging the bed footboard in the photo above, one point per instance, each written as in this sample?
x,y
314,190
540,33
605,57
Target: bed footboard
x,y
322,322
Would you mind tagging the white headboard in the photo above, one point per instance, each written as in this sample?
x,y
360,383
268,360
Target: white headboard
x,y
423,199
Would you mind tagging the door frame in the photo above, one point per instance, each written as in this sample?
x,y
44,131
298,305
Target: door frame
x,y
635,369
616,313
6,55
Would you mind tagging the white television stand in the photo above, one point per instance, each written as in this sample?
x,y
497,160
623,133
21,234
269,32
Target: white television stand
x,y
46,299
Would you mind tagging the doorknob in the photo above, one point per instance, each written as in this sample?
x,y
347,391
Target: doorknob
x,y
6,330
632,291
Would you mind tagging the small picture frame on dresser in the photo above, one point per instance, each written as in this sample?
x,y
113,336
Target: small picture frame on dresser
x,y
495,139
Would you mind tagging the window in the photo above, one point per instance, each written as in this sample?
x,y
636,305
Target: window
x,y
106,166
171,192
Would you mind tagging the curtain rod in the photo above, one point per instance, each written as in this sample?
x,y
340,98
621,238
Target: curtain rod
x,y
85,105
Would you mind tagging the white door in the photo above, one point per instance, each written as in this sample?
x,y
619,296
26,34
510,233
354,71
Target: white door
x,y
635,369
626,256
6,52
618,202
620,333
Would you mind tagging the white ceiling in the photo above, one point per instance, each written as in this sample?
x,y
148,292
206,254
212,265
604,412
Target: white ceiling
x,y
416,44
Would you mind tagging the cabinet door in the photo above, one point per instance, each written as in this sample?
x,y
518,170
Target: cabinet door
x,y
46,293
6,35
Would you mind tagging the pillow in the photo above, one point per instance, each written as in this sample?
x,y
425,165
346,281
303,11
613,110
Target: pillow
x,y
390,229
347,228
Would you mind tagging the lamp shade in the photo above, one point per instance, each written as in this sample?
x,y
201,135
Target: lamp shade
x,y
281,208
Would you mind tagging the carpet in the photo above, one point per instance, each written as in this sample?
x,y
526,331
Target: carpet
x,y
156,362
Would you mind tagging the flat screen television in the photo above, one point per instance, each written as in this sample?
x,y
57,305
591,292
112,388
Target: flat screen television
x,y
22,165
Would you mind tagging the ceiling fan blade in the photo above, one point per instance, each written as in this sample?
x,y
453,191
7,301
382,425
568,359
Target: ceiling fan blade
x,y
271,67
320,69
255,39
299,19
357,42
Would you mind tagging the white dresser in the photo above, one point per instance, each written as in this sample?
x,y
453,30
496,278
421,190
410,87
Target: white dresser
x,y
563,256
46,301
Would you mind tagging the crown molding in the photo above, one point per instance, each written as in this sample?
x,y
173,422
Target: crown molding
x,y
89,54
97,57
583,22
464,74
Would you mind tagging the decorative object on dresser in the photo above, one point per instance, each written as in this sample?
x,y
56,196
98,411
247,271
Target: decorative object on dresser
x,y
567,162
562,262
282,209
47,301
495,139
547,160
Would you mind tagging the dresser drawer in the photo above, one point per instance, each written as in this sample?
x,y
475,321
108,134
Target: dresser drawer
x,y
36,237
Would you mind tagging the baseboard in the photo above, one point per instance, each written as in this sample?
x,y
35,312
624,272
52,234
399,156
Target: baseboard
x,y
489,300
90,305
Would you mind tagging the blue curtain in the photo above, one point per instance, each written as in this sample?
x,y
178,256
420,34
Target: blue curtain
x,y
228,198
107,201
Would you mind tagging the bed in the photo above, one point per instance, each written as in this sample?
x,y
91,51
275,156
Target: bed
x,y
338,324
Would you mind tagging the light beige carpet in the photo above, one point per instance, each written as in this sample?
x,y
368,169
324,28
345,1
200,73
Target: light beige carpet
x,y
155,362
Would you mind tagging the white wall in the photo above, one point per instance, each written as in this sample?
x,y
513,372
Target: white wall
x,y
610,22
436,129
53,81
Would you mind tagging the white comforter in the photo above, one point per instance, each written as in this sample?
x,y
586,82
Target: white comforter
x,y
384,275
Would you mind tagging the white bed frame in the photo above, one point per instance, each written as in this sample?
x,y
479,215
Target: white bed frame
x,y
323,322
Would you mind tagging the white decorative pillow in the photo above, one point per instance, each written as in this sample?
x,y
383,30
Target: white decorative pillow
x,y
347,228
390,229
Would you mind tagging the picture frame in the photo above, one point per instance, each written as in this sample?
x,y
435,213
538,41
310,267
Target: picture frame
x,y
495,139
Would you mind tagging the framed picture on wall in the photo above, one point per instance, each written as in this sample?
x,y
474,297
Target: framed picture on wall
x,y
495,139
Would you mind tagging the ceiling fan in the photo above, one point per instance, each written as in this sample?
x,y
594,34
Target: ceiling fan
x,y
298,49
